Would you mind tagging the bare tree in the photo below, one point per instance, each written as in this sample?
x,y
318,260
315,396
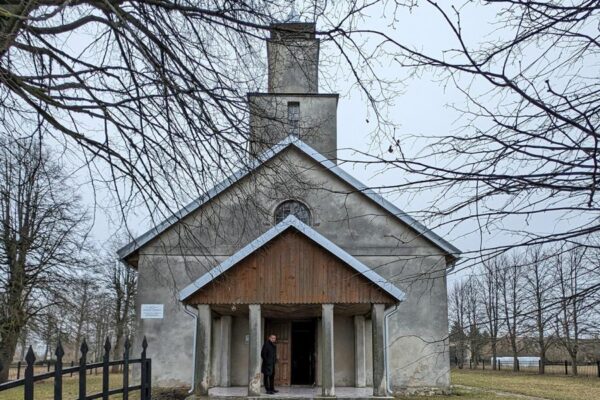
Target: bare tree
x,y
473,313
511,288
458,322
574,282
122,285
84,290
539,285
491,297
40,238
154,102
527,144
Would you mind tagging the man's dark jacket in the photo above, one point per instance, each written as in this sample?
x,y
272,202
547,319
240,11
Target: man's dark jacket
x,y
269,357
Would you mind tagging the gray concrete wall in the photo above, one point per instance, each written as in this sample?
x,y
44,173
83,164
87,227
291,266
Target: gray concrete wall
x,y
318,122
417,354
343,332
293,66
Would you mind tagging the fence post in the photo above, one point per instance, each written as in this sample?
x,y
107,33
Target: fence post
x,y
105,369
28,390
499,365
598,368
82,376
18,370
143,371
58,371
483,364
72,365
566,368
149,380
126,370
48,366
470,363
539,366
517,365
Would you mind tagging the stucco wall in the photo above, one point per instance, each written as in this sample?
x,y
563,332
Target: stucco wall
x,y
293,66
318,122
417,354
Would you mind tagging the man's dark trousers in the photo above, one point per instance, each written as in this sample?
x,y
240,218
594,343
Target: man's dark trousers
x,y
270,382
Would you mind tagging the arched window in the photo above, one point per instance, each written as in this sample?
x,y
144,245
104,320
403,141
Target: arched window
x,y
292,207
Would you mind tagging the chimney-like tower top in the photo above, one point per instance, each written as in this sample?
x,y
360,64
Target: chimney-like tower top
x,y
293,53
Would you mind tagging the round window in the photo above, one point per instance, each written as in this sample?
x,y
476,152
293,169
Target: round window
x,y
292,207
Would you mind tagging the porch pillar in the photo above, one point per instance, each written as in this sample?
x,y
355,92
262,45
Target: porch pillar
x,y
225,350
327,381
360,360
203,341
255,347
379,379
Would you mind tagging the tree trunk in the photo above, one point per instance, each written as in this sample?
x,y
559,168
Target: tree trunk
x,y
23,344
8,346
494,354
81,320
513,344
574,364
119,322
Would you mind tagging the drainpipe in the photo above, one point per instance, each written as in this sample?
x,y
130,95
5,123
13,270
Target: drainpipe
x,y
195,316
388,314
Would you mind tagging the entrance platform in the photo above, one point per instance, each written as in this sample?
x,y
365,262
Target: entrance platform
x,y
293,392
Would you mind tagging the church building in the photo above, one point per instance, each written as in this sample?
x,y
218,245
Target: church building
x,y
291,244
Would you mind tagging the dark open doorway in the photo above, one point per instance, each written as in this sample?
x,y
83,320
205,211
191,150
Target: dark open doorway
x,y
303,352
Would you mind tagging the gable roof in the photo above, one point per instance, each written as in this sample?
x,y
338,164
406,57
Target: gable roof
x,y
288,223
289,141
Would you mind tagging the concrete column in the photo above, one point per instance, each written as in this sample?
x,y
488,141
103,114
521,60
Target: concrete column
x,y
225,350
379,379
319,372
255,345
328,377
203,345
360,358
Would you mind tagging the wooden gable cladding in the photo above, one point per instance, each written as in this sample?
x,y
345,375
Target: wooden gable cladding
x,y
290,269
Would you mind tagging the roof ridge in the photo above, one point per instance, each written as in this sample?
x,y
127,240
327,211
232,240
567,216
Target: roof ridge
x,y
289,140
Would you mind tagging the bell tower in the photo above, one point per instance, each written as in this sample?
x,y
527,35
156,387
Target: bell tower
x,y
292,104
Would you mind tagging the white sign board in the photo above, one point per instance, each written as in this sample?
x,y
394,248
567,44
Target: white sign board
x,y
152,311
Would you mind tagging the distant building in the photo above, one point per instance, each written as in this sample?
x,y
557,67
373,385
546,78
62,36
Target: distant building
x,y
292,244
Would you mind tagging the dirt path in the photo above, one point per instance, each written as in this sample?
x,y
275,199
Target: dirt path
x,y
499,393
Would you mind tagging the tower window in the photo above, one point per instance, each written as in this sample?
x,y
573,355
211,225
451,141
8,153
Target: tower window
x,y
294,118
292,207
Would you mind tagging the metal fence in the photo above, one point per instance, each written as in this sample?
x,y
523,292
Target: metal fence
x,y
82,370
16,370
589,369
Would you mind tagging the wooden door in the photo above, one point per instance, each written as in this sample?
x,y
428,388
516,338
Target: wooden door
x,y
283,330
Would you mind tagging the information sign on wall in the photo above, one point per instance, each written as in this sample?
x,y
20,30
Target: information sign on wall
x,y
152,311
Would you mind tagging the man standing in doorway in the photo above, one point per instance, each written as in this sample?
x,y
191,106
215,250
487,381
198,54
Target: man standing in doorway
x,y
269,358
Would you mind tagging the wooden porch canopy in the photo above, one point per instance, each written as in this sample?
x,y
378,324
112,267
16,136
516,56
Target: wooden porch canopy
x,y
291,264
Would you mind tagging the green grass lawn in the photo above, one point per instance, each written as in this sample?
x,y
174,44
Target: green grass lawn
x,y
460,394
546,386
44,390
484,383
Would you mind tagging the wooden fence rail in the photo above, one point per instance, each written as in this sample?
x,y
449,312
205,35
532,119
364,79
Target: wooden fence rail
x,y
144,387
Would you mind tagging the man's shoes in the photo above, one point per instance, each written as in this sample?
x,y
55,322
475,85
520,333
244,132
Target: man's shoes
x,y
275,391
270,392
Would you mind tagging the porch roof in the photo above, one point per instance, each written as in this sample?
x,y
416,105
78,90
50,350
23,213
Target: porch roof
x,y
292,223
